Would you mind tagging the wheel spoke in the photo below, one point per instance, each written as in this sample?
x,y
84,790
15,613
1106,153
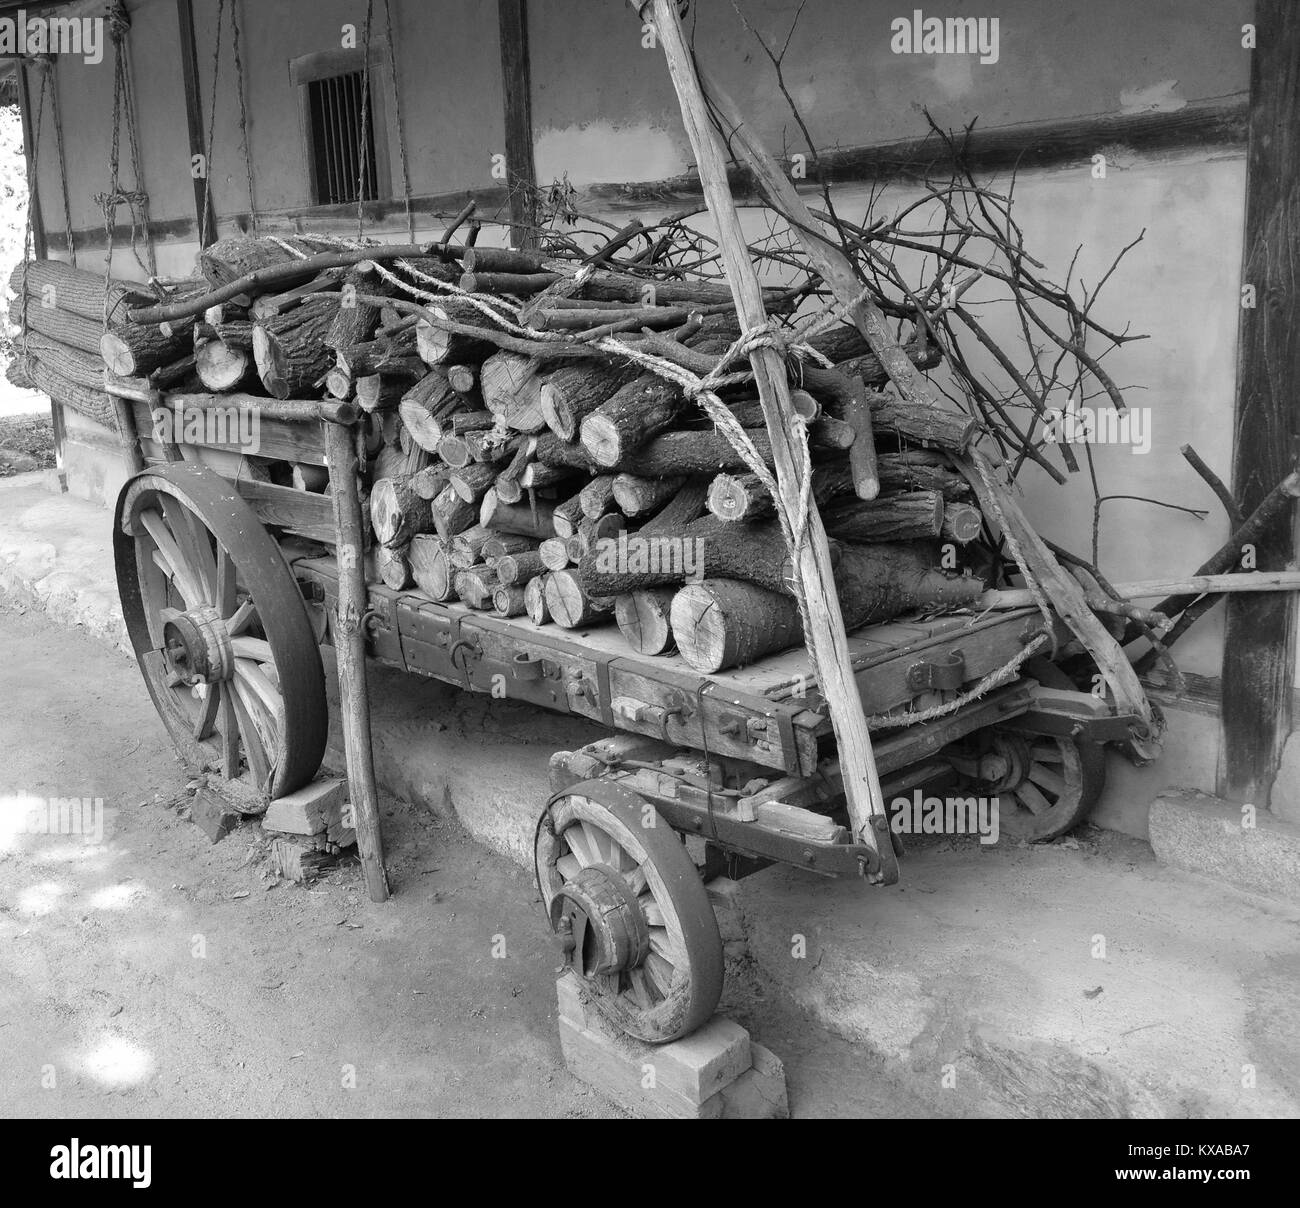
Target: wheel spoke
x,y
254,748
207,712
1053,782
580,846
568,867
240,618
1046,753
229,729
195,547
253,648
226,586
636,880
173,560
662,943
600,842
660,973
654,914
1033,799
640,988
249,673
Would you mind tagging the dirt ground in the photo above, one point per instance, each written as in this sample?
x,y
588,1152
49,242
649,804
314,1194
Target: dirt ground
x,y
26,443
153,973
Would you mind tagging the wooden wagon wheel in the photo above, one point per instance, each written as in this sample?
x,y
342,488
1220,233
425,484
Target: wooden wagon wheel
x,y
629,906
220,630
1047,784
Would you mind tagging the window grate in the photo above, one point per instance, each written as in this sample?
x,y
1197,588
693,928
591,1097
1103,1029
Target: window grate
x,y
334,106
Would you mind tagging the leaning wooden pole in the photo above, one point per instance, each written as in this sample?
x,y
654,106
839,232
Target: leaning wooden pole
x,y
350,648
826,638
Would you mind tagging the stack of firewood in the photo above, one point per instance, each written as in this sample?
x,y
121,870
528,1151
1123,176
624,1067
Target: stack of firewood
x,y
521,471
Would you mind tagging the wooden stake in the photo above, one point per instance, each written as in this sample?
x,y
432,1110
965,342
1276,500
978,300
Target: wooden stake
x,y
826,638
350,647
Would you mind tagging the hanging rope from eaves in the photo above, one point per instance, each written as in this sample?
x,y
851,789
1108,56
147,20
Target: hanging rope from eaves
x,y
397,114
241,92
212,125
50,68
363,139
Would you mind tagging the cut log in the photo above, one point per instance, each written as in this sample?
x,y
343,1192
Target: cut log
x,y
236,256
670,453
722,623
572,392
471,482
393,566
535,600
290,349
569,606
686,505
463,379
397,513
520,285
614,566
426,483
450,513
476,585
913,516
504,545
519,568
455,451
355,322
467,547
431,568
529,521
644,619
641,409
376,392
440,347
639,496
133,350
221,367
921,470
509,601
537,475
511,387
554,552
597,497
566,518
961,523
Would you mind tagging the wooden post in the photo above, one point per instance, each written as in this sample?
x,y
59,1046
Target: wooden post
x,y
1259,641
826,637
350,648
194,117
512,19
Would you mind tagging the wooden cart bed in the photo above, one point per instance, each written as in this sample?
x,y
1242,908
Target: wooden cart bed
x,y
769,713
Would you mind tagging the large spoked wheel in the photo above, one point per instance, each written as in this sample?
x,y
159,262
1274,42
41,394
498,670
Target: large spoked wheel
x,y
630,910
220,631
1046,785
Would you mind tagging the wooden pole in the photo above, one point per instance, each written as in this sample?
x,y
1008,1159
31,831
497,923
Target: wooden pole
x,y
825,637
1259,640
350,648
512,22
189,54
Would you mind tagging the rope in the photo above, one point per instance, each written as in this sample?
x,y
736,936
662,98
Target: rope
x,y
243,110
212,124
29,236
365,114
397,114
51,66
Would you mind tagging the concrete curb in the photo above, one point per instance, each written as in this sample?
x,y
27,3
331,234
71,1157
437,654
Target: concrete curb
x,y
1245,847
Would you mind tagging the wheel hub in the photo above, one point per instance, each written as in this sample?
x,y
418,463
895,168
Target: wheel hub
x,y
1006,764
599,924
197,646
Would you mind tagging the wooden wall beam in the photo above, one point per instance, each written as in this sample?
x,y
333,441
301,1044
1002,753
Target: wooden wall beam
x,y
512,17
194,114
1260,641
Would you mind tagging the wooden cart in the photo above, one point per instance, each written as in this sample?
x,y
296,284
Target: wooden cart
x,y
227,607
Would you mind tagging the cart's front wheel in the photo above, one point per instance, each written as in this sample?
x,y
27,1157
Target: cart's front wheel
x,y
630,910
1046,785
220,630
